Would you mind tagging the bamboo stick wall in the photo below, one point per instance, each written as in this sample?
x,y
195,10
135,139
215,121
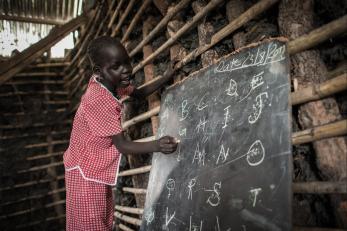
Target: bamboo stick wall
x,y
153,31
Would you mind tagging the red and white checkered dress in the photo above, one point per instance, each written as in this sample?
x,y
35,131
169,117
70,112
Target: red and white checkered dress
x,y
92,161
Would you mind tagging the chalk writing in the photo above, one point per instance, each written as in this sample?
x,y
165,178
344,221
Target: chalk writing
x,y
199,156
223,155
226,116
232,89
202,105
191,184
170,185
165,114
182,132
214,198
168,217
254,193
256,153
184,110
194,227
257,81
201,125
259,58
149,216
257,108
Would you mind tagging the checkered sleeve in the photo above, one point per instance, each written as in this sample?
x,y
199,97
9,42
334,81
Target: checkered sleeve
x,y
123,92
103,117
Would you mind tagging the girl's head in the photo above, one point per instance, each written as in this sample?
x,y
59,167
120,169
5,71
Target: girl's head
x,y
110,62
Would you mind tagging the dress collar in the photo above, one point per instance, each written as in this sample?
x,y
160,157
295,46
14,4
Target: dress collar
x,y
94,78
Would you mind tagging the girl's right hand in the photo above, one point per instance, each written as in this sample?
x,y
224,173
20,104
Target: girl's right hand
x,y
167,144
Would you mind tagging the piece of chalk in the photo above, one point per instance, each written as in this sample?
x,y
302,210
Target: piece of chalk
x,y
177,140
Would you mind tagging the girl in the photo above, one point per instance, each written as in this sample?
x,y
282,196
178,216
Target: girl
x,y
92,159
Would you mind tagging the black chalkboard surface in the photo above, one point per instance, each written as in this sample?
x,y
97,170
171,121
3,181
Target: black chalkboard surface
x,y
232,170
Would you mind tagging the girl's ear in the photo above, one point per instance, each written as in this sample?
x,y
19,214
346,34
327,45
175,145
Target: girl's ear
x,y
96,70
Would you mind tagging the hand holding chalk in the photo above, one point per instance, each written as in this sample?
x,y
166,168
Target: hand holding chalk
x,y
167,144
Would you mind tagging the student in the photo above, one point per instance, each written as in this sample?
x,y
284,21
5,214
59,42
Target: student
x,y
92,159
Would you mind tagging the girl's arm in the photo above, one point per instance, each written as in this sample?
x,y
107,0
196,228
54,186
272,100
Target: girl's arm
x,y
149,89
165,145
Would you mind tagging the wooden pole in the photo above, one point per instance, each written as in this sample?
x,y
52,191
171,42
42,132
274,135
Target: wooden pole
x,y
145,139
248,15
17,63
130,220
317,36
179,7
141,117
123,17
125,228
31,183
340,69
234,8
135,190
210,6
153,99
138,211
320,91
316,229
319,187
115,14
135,20
135,171
320,132
205,32
45,166
32,20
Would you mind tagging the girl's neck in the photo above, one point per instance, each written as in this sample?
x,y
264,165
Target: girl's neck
x,y
108,85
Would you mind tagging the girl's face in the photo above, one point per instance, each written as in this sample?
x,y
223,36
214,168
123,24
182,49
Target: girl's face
x,y
116,69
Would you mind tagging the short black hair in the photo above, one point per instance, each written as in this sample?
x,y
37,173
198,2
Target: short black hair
x,y
97,46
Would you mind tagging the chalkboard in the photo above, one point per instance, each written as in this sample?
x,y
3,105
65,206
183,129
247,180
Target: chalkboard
x,y
232,170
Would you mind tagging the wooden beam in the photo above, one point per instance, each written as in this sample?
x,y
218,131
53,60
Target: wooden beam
x,y
135,20
31,183
141,117
317,36
316,229
39,74
320,132
45,166
44,65
135,171
32,20
122,18
33,93
320,91
115,14
188,26
179,7
135,190
125,228
248,15
32,82
32,197
15,64
320,187
128,219
132,210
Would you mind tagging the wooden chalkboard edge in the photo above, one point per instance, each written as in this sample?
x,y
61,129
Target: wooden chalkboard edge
x,y
251,45
290,165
